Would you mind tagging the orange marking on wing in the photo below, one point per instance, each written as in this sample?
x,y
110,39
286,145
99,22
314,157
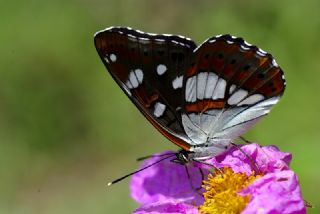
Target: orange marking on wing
x,y
151,99
263,60
146,100
191,71
204,105
214,104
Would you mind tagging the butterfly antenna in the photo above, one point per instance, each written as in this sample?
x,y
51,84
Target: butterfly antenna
x,y
151,156
137,171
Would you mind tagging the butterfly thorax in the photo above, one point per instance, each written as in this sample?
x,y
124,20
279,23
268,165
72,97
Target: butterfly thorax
x,y
209,150
202,152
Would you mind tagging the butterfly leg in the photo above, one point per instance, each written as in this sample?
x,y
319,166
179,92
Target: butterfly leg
x,y
210,165
196,189
245,140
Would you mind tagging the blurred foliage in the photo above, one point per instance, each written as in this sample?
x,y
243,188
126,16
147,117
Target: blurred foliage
x,y
66,129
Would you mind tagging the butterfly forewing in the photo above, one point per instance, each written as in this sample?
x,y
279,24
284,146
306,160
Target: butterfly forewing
x,y
150,69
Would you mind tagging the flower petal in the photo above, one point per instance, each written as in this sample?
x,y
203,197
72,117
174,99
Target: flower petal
x,y
166,180
275,193
253,156
167,207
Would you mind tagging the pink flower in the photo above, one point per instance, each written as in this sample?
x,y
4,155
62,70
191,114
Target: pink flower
x,y
166,188
280,189
167,207
166,181
267,159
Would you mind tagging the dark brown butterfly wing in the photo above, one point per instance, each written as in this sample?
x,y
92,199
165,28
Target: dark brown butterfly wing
x,y
149,68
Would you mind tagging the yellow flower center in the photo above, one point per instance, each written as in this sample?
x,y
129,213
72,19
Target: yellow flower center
x,y
222,189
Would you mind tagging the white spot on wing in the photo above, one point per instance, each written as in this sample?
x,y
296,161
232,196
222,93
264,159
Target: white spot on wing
x,y
106,59
151,34
191,89
244,47
211,84
274,63
113,57
139,31
261,52
246,43
159,108
135,78
161,69
131,36
128,84
232,87
175,42
237,96
251,99
144,40
219,89
201,84
139,75
177,82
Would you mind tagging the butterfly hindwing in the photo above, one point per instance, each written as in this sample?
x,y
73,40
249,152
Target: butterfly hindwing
x,y
149,68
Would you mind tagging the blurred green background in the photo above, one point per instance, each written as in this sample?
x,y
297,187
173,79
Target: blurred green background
x,y
66,128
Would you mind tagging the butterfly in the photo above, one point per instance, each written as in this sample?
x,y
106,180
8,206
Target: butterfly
x,y
200,97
